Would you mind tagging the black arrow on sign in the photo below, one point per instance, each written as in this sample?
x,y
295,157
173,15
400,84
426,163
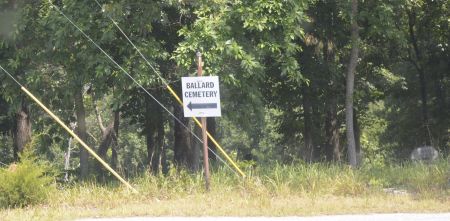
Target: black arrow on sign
x,y
201,105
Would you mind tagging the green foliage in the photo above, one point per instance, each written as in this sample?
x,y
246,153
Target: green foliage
x,y
375,154
133,154
272,57
417,46
25,183
6,152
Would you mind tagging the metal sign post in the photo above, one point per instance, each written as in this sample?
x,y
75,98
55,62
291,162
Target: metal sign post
x,y
204,136
201,98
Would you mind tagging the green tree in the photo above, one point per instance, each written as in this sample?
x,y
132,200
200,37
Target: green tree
x,y
239,41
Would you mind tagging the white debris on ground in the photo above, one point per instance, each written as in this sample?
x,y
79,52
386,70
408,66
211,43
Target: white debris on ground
x,y
395,191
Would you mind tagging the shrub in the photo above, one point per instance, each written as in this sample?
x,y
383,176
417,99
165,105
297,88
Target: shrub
x,y
25,183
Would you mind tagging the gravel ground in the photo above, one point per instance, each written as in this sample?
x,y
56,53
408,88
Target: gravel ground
x,y
367,217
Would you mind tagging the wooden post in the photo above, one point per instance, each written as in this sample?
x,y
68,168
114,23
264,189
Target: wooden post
x,y
204,135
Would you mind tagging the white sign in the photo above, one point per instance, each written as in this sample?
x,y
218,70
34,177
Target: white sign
x,y
201,96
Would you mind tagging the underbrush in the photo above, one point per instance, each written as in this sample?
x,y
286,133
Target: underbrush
x,y
280,190
279,180
340,180
25,183
417,178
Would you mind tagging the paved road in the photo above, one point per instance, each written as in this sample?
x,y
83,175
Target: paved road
x,y
369,217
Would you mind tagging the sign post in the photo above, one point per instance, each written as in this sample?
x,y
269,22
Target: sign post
x,y
203,120
201,98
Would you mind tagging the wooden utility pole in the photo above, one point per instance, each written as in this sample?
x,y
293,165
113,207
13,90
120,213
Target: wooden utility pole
x,y
204,135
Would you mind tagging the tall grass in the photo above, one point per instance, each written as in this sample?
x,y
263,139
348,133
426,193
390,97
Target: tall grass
x,y
335,179
298,189
308,179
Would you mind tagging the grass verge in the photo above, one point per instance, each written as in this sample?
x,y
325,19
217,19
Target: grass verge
x,y
295,190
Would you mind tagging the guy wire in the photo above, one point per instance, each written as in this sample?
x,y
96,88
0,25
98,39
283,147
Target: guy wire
x,y
135,81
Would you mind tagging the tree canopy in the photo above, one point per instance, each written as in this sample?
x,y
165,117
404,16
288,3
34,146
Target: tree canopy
x,y
286,71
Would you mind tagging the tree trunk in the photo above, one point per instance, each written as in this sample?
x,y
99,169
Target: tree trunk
x,y
22,129
211,127
154,130
307,153
150,143
350,86
422,81
333,152
115,139
150,134
81,132
109,137
67,159
159,142
357,139
164,163
441,95
315,125
183,150
197,147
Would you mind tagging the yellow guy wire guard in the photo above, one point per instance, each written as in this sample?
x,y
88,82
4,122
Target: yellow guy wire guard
x,y
56,118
